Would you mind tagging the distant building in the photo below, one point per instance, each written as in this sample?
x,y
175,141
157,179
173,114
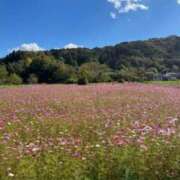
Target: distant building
x,y
170,76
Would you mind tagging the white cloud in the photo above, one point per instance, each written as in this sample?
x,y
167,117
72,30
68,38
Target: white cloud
x,y
117,3
113,15
132,6
28,47
72,46
125,6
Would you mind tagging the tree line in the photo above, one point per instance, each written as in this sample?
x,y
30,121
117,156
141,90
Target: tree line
x,y
128,61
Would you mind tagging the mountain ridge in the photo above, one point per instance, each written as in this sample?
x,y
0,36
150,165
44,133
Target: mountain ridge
x,y
135,59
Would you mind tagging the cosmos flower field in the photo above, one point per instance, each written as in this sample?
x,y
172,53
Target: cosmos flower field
x,y
94,132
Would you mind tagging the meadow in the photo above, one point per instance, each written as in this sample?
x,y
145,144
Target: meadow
x,y
124,131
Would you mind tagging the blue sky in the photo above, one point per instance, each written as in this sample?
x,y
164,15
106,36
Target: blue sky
x,y
46,24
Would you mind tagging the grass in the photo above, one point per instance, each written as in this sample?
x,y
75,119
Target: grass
x,y
170,83
95,132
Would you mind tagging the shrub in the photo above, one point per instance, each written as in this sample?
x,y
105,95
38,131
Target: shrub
x,y
3,74
95,72
82,81
14,79
103,77
71,81
33,79
64,73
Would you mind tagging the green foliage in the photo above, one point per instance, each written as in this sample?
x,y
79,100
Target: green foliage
x,y
14,79
64,73
82,80
83,77
33,79
72,80
131,74
103,77
3,74
95,72
43,67
132,61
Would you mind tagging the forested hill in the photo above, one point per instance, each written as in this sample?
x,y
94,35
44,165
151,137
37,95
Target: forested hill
x,y
129,61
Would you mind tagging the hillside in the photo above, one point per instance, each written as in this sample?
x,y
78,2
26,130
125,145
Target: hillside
x,y
129,61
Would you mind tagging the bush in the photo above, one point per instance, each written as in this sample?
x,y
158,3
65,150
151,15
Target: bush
x,y
131,74
82,81
121,80
3,74
33,79
71,81
64,73
95,72
14,79
103,77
